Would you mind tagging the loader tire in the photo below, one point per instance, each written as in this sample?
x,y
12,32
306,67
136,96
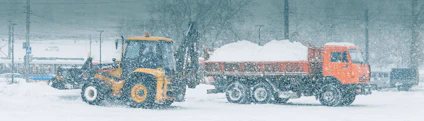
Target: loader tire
x,y
141,93
261,93
331,95
237,92
94,92
280,100
166,104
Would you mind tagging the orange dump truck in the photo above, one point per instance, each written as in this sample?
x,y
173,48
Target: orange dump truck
x,y
334,74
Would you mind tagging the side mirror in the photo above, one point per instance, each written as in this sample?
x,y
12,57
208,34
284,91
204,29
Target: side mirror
x,y
116,44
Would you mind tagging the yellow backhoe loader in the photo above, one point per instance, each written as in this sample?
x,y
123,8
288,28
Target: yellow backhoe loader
x,y
147,75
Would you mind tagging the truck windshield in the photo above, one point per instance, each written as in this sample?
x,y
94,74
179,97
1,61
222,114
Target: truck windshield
x,y
356,56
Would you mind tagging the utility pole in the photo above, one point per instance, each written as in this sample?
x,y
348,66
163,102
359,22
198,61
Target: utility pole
x,y
27,37
367,42
9,43
259,33
414,47
101,31
12,33
286,19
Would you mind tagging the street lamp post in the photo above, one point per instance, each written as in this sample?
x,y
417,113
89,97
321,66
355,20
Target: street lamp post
x,y
13,50
259,31
90,47
101,31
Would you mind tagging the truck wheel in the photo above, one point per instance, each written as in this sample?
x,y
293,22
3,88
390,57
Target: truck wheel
x,y
93,92
348,97
404,88
331,95
261,93
237,92
141,94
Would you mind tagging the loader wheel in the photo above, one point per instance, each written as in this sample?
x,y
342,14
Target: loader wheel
x,y
52,83
237,92
141,94
167,103
94,93
331,95
261,93
281,100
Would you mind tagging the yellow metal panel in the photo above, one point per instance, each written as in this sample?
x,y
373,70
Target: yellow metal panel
x,y
154,72
161,84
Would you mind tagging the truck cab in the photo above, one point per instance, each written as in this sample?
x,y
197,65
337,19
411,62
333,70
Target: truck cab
x,y
344,63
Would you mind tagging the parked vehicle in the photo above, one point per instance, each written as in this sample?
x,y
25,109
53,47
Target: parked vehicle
x,y
7,78
404,78
380,80
334,74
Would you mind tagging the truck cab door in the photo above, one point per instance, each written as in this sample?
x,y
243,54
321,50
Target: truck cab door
x,y
340,67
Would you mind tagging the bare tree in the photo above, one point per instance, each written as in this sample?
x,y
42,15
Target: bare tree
x,y
416,56
214,18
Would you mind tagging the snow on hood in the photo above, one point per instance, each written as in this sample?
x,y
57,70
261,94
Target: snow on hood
x,y
275,50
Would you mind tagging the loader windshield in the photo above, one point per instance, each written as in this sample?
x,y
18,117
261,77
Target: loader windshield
x,y
150,54
168,57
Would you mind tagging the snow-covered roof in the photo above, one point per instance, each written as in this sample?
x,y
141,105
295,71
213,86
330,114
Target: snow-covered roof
x,y
67,49
46,61
339,44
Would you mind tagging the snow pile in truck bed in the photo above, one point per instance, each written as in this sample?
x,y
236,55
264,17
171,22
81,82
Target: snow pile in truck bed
x,y
276,50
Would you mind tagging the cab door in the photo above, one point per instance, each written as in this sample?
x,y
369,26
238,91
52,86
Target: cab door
x,y
340,67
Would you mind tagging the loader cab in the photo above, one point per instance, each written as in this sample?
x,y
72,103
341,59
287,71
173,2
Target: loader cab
x,y
148,52
345,63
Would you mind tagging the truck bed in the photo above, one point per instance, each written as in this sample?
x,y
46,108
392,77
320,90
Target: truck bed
x,y
257,68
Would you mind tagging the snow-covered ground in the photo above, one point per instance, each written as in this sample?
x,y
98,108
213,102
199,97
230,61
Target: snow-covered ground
x,y
38,102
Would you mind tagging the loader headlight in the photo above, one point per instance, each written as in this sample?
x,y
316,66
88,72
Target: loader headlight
x,y
161,70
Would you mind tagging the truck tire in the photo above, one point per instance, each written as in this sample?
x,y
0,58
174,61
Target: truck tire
x,y
261,93
94,92
331,95
141,93
404,88
237,92
349,97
